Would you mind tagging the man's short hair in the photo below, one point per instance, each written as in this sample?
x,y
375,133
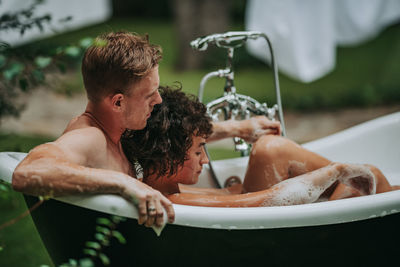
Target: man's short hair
x,y
115,61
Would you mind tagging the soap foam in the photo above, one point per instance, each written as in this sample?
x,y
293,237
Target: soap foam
x,y
294,191
357,175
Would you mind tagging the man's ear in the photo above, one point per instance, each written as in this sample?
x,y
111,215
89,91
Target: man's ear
x,y
116,101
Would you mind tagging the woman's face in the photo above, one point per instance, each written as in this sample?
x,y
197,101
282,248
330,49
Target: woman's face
x,y
189,173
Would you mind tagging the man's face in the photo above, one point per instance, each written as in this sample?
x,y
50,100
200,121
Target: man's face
x,y
140,102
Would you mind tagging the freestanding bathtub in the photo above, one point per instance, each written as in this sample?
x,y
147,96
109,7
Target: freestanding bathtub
x,y
361,231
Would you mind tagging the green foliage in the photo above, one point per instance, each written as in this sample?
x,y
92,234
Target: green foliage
x,y
5,191
24,19
20,242
23,69
21,143
105,231
14,72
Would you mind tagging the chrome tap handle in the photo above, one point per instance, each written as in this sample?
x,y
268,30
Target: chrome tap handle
x,y
225,40
239,107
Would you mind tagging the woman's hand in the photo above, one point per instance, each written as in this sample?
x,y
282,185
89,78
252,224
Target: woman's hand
x,y
252,129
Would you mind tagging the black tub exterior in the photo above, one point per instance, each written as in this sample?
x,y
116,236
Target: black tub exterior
x,y
65,228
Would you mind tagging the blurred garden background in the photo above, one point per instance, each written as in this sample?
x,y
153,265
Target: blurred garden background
x,y
41,90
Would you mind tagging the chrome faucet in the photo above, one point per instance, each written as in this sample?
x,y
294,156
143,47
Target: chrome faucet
x,y
232,105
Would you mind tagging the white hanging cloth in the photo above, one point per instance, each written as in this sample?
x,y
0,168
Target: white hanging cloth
x,y
83,13
304,34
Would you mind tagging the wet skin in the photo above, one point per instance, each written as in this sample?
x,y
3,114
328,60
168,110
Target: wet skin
x,y
280,172
88,157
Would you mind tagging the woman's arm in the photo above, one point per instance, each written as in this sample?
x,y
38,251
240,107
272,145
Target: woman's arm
x,y
250,130
306,188
234,189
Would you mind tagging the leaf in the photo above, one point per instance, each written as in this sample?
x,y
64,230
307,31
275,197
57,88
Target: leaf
x,y
86,42
99,237
103,230
72,51
5,189
44,198
105,242
100,42
119,237
86,262
73,262
104,221
4,46
90,252
39,25
117,219
15,69
65,19
104,259
94,245
42,62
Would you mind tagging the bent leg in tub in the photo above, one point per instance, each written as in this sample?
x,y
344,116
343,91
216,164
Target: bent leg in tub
x,y
382,185
275,159
306,188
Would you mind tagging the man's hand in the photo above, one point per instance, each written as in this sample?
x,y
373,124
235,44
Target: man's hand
x,y
150,203
252,129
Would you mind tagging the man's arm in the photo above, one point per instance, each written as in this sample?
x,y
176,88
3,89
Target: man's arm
x,y
53,170
249,130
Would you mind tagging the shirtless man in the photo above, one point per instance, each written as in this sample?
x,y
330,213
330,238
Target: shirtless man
x,y
121,80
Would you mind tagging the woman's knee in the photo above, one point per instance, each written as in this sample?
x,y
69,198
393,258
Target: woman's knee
x,y
382,184
271,146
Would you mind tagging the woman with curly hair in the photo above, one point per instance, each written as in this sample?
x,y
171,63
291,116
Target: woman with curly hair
x,y
170,154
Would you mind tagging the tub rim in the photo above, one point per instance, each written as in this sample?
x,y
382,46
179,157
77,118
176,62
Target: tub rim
x,y
313,214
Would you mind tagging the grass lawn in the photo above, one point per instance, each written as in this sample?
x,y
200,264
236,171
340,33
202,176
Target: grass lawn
x,y
21,244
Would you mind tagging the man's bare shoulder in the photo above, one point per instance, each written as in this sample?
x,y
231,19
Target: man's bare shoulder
x,y
83,139
79,122
81,146
81,131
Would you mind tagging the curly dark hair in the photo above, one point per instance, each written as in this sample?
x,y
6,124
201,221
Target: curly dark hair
x,y
161,148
